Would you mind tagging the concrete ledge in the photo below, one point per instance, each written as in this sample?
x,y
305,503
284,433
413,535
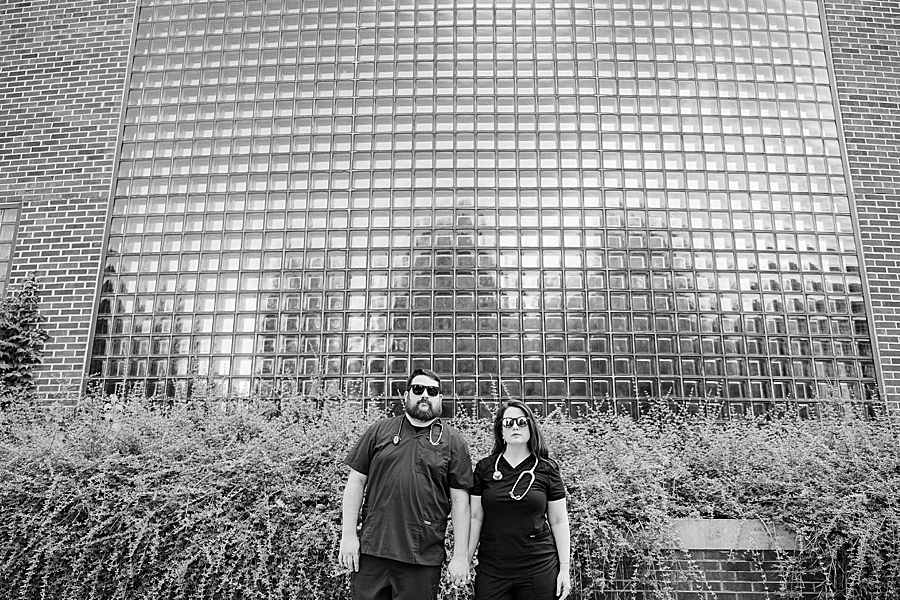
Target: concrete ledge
x,y
732,534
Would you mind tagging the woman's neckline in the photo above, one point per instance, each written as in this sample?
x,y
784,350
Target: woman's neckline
x,y
522,458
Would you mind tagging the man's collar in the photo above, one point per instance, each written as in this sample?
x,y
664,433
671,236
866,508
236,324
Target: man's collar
x,y
418,423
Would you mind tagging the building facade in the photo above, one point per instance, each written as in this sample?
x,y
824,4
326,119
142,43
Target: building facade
x,y
588,199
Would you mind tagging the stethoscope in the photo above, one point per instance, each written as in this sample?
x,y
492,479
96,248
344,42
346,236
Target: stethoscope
x,y
396,439
498,476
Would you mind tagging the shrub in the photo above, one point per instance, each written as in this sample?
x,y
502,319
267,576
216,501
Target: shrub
x,y
139,503
226,499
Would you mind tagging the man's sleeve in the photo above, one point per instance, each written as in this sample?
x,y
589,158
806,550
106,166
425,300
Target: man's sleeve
x,y
460,476
360,455
477,488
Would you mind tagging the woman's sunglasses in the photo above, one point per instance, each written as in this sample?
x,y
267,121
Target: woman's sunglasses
x,y
507,422
419,389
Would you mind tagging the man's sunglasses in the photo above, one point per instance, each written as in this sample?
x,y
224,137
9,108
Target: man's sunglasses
x,y
419,389
507,422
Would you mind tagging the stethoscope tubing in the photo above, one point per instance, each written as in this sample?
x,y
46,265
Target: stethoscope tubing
x,y
498,476
396,439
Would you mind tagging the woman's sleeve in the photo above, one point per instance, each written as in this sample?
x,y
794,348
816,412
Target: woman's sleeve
x,y
556,490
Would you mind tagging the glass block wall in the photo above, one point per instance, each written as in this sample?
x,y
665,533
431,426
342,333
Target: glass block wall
x,y
589,198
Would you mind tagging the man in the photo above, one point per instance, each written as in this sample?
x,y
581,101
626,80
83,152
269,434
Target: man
x,y
411,470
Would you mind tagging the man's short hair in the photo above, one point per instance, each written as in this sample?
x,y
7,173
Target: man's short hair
x,y
426,373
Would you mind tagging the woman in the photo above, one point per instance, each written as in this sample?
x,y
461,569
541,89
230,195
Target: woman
x,y
519,519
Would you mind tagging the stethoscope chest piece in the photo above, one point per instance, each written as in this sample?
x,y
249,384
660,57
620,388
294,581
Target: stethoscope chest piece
x,y
396,440
498,476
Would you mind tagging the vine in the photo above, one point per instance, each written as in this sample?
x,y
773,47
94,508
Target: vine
x,y
21,338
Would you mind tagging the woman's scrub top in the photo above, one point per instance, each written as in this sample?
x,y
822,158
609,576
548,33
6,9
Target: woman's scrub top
x,y
407,496
515,535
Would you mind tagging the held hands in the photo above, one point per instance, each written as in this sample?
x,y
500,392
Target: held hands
x,y
349,552
458,571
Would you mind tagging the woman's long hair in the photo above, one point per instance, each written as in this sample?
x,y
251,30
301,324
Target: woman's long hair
x,y
536,443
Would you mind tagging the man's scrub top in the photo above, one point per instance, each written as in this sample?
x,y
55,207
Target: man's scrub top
x,y
407,496
515,535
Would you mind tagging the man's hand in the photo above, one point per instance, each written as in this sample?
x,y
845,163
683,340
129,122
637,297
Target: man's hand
x,y
458,570
353,497
349,556
460,516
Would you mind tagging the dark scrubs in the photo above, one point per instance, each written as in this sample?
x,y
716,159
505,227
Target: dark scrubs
x,y
516,541
407,496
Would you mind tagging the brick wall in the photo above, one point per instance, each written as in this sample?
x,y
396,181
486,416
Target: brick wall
x,y
62,74
717,574
740,575
735,559
717,559
866,53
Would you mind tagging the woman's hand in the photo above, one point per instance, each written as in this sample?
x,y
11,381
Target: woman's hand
x,y
563,582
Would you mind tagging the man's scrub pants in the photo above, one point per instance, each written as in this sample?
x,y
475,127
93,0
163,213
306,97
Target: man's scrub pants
x,y
386,579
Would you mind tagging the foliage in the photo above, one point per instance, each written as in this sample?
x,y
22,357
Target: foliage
x,y
21,338
122,501
226,499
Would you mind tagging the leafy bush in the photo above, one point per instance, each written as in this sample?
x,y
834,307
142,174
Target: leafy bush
x,y
187,503
225,499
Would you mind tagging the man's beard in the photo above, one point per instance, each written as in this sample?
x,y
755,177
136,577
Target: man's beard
x,y
422,411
